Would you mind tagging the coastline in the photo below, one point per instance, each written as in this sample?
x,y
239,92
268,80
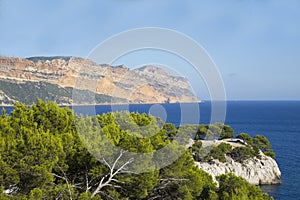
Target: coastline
x,y
111,103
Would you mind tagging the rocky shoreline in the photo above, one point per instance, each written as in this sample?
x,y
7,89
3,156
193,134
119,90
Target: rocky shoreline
x,y
263,171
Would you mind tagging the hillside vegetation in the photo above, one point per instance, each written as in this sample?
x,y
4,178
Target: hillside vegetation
x,y
27,92
239,149
34,76
42,156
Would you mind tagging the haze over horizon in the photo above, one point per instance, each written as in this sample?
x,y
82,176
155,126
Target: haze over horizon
x,y
255,44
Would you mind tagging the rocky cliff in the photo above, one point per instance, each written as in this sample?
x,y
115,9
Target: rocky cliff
x,y
257,171
54,78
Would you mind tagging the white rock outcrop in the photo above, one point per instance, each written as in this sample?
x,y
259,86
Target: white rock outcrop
x,y
256,171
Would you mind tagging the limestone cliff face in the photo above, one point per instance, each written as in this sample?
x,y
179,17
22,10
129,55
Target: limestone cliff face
x,y
256,171
148,84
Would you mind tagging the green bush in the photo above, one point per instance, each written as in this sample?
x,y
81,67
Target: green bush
x,y
227,132
225,148
234,187
170,130
214,131
219,152
42,154
241,154
261,142
196,148
270,153
244,136
201,132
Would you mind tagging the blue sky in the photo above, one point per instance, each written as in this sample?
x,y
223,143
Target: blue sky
x,y
254,43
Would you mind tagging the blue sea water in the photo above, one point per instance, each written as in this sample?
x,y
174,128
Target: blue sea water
x,y
279,121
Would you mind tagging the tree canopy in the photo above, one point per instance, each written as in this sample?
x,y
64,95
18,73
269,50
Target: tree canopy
x,y
42,156
214,131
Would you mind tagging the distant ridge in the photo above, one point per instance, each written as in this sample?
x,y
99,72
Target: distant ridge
x,y
44,58
50,77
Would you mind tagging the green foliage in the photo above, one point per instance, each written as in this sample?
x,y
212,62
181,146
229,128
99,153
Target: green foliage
x,y
201,132
270,153
36,193
42,156
227,132
246,137
216,152
214,131
224,147
241,154
219,152
140,119
44,58
170,130
183,180
27,93
232,187
187,131
261,142
196,148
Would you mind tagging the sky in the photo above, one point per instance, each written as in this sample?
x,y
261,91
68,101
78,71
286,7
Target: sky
x,y
255,44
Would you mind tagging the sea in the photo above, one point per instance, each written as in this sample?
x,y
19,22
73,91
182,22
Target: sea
x,y
279,121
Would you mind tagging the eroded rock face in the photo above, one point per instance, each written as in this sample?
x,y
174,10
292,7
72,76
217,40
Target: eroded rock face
x,y
256,171
148,84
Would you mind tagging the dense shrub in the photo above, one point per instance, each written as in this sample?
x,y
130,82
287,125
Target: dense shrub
x,y
227,132
43,156
270,153
241,154
225,148
261,142
233,187
214,131
244,136
219,152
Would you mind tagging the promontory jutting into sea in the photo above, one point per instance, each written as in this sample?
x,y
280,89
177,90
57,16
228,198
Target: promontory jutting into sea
x,y
57,151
